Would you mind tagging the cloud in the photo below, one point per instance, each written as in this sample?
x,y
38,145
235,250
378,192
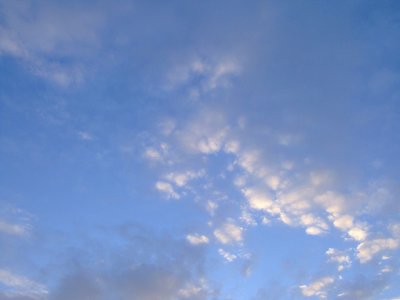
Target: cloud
x,y
344,222
310,203
276,129
363,288
339,257
193,291
333,202
298,195
42,36
14,229
167,188
368,249
152,154
229,257
211,207
177,180
229,233
148,267
197,239
259,200
395,229
85,136
204,134
317,287
144,282
157,154
314,225
200,76
181,178
247,218
19,286
357,231
15,221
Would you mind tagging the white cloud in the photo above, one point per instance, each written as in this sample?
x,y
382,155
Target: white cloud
x,y
357,231
333,202
317,288
303,198
167,188
22,286
265,220
273,182
229,233
152,154
285,219
181,178
14,229
339,257
260,200
314,225
158,153
192,290
368,249
229,257
197,239
249,161
343,222
312,230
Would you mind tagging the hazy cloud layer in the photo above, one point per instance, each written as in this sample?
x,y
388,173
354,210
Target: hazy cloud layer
x,y
253,145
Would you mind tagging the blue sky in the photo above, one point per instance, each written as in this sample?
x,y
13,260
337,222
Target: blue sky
x,y
218,150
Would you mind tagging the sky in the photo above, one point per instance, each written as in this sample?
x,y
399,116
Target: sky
x,y
222,150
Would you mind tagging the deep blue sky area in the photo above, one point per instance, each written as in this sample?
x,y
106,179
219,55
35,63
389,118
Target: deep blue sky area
x,y
202,150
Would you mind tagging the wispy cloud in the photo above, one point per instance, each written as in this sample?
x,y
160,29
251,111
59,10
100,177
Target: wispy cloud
x,y
19,286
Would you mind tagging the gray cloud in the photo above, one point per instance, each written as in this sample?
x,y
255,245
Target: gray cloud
x,y
148,267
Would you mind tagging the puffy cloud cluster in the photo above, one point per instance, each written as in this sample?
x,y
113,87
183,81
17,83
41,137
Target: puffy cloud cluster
x,y
229,233
368,249
279,190
283,191
181,178
176,180
197,239
339,257
167,188
317,288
